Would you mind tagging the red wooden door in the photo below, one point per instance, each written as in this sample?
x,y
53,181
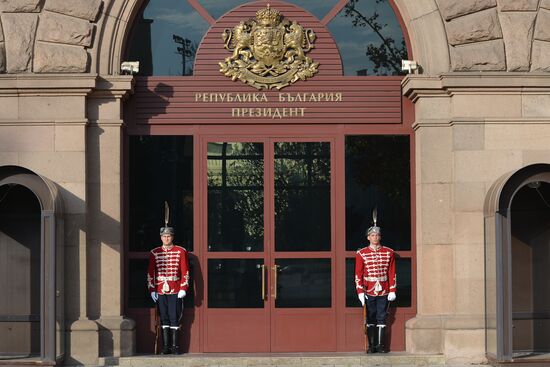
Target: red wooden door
x,y
270,245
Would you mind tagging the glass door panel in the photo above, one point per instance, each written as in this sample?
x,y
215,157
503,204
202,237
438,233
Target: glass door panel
x,y
302,196
235,283
237,316
303,283
235,174
302,253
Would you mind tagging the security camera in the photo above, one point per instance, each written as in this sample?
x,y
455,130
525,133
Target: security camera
x,y
129,67
409,66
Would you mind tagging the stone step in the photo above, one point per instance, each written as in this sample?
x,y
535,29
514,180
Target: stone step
x,y
279,360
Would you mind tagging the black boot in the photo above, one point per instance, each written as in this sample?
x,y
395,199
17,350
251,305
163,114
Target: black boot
x,y
381,346
175,348
165,341
371,336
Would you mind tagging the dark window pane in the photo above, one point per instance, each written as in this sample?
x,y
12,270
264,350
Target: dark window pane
x,y
404,283
235,283
369,37
315,7
165,38
138,294
303,283
235,197
161,169
378,175
302,197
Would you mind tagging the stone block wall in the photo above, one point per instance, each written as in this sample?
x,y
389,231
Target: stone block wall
x,y
59,36
47,36
470,130
497,35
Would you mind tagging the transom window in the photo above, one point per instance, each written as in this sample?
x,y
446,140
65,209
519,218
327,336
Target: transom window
x,y
167,33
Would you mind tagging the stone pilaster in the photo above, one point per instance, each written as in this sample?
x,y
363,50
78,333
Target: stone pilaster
x,y
104,185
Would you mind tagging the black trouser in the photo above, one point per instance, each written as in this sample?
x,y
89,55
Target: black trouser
x,y
170,309
377,310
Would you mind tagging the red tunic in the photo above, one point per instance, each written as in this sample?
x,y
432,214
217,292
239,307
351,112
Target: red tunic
x,y
168,271
375,271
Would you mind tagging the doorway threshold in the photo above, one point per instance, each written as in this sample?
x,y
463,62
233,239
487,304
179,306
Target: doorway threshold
x,y
277,359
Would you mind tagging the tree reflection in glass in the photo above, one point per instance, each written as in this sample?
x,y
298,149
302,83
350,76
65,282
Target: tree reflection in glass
x,y
369,37
302,196
235,196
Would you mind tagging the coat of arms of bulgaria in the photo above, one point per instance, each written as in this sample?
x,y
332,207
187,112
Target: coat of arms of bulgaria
x,y
268,51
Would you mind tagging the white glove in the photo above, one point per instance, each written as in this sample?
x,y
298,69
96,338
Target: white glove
x,y
391,296
362,298
154,296
181,294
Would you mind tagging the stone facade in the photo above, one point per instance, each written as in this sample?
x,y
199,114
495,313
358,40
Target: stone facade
x,y
481,105
47,37
481,35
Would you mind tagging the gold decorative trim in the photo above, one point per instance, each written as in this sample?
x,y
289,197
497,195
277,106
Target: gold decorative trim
x,y
268,51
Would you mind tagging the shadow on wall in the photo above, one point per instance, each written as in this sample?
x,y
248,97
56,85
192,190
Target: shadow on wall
x,y
154,95
20,260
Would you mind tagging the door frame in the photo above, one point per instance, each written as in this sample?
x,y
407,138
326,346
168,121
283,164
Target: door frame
x,y
338,132
269,254
51,258
498,259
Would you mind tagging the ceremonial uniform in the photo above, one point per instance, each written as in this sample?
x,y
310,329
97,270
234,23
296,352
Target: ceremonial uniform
x,y
375,283
375,271
168,282
168,271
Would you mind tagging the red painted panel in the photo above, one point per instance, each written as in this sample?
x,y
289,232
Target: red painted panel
x,y
206,100
212,51
306,330
237,330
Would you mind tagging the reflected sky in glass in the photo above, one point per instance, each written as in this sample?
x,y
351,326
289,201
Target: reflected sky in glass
x,y
169,18
154,44
319,8
352,40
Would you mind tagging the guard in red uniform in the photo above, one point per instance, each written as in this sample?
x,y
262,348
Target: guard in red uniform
x,y
376,285
168,282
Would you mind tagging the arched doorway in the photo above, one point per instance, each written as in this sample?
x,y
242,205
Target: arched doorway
x,y
20,259
530,234
517,265
268,188
31,267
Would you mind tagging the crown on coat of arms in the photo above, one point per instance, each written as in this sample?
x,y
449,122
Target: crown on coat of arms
x,y
268,17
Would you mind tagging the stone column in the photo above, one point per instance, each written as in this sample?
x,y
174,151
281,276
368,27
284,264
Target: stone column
x,y
104,188
42,128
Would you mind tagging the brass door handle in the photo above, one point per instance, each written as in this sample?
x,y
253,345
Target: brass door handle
x,y
263,283
275,268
